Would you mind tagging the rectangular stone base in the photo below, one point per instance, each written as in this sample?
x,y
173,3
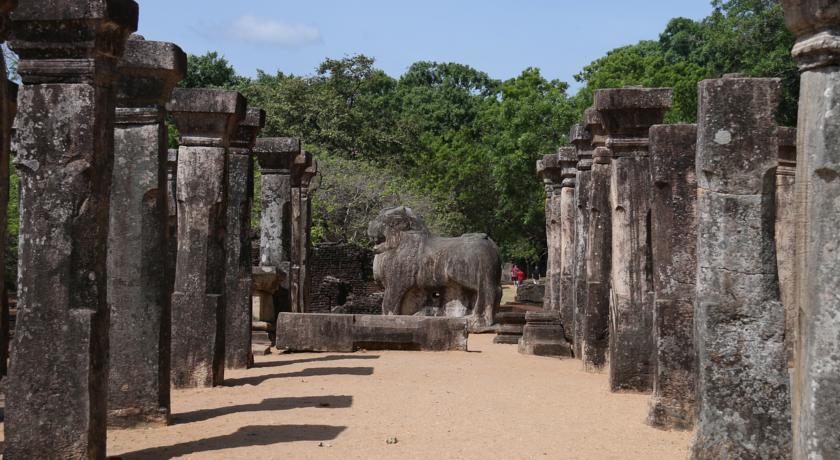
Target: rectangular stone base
x,y
347,333
543,335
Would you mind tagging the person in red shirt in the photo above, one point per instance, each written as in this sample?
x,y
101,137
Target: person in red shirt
x,y
520,277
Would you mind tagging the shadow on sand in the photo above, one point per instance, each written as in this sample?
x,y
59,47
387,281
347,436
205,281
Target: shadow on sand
x,y
313,360
271,404
311,372
257,435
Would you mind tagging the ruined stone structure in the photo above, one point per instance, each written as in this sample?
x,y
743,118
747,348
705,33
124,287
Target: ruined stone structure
x,y
816,404
511,327
543,335
435,276
276,157
56,395
582,140
347,333
595,324
786,235
739,321
138,256
673,149
627,114
8,109
238,281
305,169
342,274
206,120
550,171
567,157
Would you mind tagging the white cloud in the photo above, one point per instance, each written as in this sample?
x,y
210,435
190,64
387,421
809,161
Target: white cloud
x,y
269,32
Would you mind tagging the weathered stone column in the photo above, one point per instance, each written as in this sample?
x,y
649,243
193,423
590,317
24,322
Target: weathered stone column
x,y
206,120
596,324
549,170
276,157
56,391
305,249
627,115
816,404
582,140
302,173
673,149
568,161
786,236
238,280
172,210
138,282
739,322
8,105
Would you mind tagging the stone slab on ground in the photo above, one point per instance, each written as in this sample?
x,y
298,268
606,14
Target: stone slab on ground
x,y
346,333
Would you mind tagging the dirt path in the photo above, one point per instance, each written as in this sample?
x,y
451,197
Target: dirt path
x,y
492,403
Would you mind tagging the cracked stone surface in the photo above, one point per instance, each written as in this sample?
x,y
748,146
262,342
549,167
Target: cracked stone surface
x,y
57,395
743,386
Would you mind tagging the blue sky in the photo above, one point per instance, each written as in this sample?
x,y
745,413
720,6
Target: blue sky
x,y
499,37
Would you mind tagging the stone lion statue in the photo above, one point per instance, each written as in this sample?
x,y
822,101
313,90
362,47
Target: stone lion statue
x,y
428,275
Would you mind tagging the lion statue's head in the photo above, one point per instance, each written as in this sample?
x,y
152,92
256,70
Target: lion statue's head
x,y
386,229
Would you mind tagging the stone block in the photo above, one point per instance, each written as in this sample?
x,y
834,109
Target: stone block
x,y
543,335
347,333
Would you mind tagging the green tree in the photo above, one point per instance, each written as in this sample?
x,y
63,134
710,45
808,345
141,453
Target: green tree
x,y
211,70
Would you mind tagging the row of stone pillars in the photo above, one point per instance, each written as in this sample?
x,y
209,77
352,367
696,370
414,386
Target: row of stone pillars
x,y
675,284
704,270
135,260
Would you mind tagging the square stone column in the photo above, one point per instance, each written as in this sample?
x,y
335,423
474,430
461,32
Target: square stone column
x,y
306,191
304,170
276,157
548,169
567,157
628,114
172,211
673,149
582,140
744,402
138,282
238,280
8,105
786,236
206,119
596,318
56,390
816,405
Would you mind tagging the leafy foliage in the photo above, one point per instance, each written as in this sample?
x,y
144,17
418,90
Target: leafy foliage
x,y
740,36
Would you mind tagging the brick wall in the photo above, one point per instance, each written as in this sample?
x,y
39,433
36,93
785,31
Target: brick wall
x,y
342,274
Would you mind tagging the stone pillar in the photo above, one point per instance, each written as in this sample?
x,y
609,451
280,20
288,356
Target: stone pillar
x,y
276,157
548,169
816,405
8,105
786,236
56,390
305,168
306,190
568,161
674,242
238,279
206,119
582,140
596,324
627,115
138,282
172,211
739,322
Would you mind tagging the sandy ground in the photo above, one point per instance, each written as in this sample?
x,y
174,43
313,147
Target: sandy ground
x,y
489,403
